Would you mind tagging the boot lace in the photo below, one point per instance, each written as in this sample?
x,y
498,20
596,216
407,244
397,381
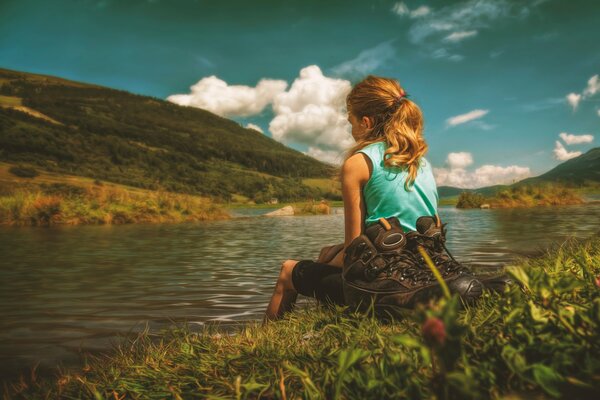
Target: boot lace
x,y
440,255
403,266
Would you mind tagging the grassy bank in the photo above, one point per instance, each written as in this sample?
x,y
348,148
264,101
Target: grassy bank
x,y
522,196
540,341
50,199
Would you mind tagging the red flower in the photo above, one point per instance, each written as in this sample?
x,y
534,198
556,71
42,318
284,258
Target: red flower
x,y
434,332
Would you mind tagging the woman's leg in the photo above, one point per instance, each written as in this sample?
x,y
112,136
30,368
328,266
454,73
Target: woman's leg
x,y
285,294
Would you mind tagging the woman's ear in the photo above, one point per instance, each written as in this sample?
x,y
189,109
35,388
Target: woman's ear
x,y
366,122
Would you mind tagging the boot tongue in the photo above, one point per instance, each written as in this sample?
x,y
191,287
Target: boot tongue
x,y
427,225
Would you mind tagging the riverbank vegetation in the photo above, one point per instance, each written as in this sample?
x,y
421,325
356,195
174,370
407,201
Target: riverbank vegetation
x,y
53,201
539,339
522,196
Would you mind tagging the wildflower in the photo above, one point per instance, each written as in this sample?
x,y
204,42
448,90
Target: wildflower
x,y
434,331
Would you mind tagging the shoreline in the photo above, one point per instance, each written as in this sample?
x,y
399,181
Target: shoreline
x,y
540,340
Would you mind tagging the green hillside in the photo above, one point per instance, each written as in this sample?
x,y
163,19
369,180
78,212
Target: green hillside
x,y
577,173
74,128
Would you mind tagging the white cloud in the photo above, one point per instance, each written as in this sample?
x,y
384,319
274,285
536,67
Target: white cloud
x,y
420,12
459,160
593,87
560,153
463,118
255,127
313,112
402,10
573,99
443,53
328,156
217,96
366,62
487,175
465,16
569,138
598,112
459,36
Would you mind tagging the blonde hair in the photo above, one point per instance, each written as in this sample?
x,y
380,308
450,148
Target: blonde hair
x,y
396,120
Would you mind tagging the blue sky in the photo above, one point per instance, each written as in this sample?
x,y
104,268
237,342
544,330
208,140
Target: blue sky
x,y
498,81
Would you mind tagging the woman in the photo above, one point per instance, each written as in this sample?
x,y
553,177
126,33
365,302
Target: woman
x,y
385,174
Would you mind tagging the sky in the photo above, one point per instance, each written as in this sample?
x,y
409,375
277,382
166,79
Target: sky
x,y
509,89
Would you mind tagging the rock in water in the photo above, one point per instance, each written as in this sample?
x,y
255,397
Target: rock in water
x,y
287,210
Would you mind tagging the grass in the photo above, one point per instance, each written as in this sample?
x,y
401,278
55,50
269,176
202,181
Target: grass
x,y
523,196
537,340
54,199
10,101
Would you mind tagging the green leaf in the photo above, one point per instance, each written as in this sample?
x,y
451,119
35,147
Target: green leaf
x,y
547,378
519,274
537,313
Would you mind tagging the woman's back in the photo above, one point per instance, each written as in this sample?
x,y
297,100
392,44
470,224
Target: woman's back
x,y
385,194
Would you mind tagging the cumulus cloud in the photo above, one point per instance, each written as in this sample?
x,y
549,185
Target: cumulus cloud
x,y
457,175
217,96
255,127
329,156
459,160
313,112
561,154
367,61
573,99
459,36
569,138
464,118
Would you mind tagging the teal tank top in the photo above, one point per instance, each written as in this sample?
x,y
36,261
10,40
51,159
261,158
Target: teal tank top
x,y
385,195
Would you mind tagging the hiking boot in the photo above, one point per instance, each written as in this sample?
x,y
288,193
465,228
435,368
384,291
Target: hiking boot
x,y
432,227
431,236
379,268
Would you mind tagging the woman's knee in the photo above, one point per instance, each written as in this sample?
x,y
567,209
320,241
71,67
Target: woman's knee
x,y
285,275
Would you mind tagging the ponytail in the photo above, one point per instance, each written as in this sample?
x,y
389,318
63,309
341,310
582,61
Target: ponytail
x,y
397,121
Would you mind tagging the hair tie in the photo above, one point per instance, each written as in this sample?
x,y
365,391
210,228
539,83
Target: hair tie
x,y
399,98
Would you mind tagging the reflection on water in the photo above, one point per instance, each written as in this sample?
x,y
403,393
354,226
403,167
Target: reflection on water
x,y
68,288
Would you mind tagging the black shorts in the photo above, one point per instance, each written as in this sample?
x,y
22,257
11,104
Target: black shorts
x,y
321,281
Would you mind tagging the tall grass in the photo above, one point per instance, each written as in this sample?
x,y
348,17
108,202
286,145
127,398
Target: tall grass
x,y
537,340
522,196
100,204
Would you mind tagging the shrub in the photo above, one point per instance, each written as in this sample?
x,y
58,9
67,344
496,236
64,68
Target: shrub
x,y
23,172
469,200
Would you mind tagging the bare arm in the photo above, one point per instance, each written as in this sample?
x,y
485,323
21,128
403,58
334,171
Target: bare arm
x,y
355,174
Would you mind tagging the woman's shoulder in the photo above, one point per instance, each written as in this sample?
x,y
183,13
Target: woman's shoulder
x,y
374,150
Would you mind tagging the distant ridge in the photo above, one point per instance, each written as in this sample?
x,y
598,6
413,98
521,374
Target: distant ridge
x,y
88,130
580,171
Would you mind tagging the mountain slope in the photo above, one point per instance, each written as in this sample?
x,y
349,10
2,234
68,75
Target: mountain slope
x,y
580,170
583,170
113,135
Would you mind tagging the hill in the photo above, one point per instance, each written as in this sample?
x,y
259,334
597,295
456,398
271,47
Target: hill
x,y
79,129
579,172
